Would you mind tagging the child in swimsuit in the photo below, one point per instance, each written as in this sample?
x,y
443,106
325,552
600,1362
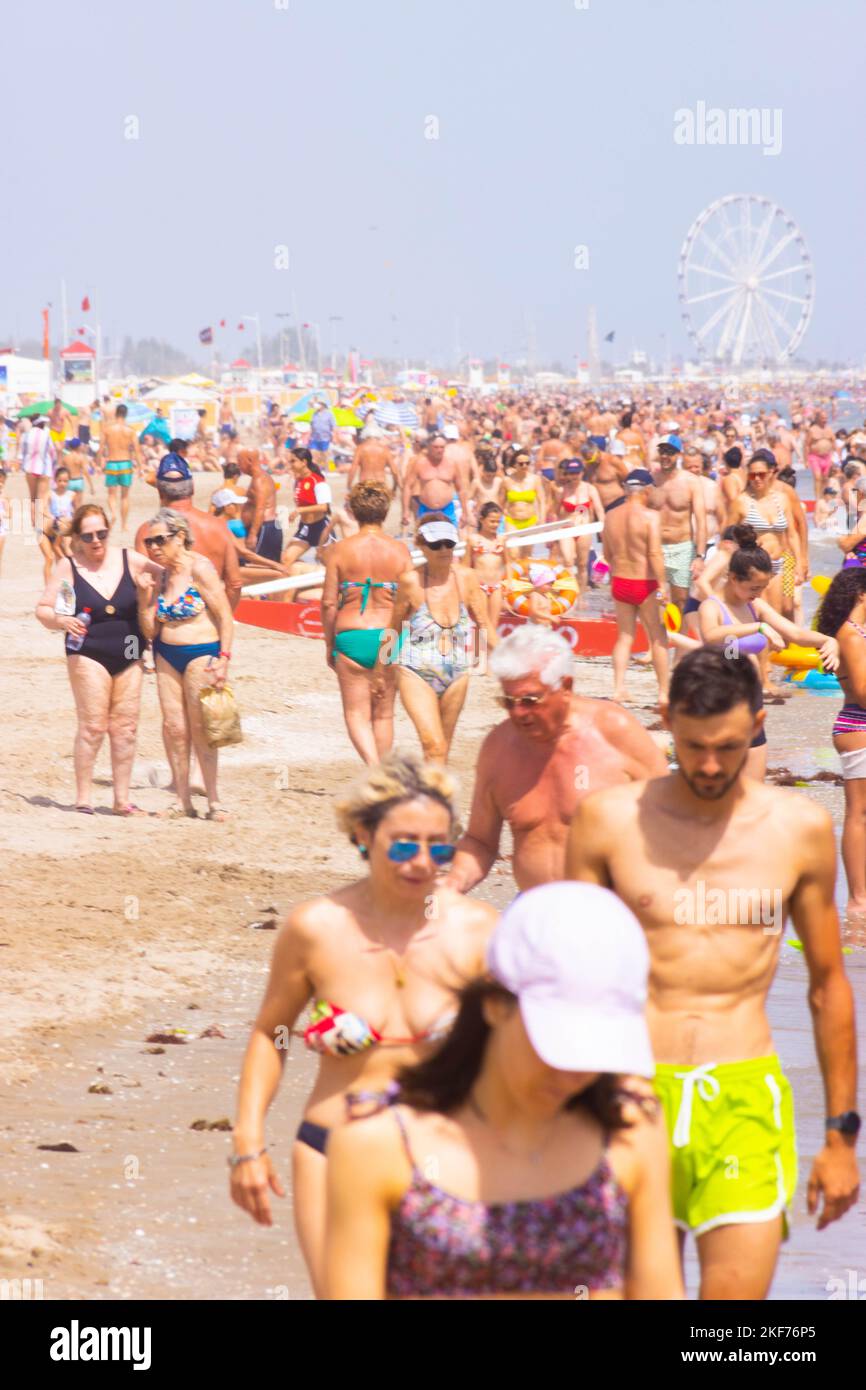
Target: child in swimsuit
x,y
487,557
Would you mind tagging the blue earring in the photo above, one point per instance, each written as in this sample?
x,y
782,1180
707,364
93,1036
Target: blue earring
x,y
363,851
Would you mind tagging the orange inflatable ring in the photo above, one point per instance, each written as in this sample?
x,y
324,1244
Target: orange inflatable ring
x,y
518,587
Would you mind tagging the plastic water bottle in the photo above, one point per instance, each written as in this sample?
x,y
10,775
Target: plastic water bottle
x,y
74,644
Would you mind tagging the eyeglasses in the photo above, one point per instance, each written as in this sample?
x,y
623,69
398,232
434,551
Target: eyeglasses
x,y
522,701
152,542
90,537
440,545
763,474
402,851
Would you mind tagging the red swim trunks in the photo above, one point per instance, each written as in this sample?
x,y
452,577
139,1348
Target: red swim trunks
x,y
633,591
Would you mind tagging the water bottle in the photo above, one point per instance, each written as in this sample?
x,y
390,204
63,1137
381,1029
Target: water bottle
x,y
74,644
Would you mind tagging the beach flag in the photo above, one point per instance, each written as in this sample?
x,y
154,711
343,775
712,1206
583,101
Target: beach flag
x,y
46,335
206,335
222,323
85,305
240,328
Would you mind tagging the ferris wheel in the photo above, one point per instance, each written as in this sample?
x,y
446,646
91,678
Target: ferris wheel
x,y
746,286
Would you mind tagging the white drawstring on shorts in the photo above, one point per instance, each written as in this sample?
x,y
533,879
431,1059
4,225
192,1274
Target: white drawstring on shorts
x,y
708,1089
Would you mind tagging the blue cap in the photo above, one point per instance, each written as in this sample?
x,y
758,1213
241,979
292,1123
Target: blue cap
x,y
673,444
174,467
639,477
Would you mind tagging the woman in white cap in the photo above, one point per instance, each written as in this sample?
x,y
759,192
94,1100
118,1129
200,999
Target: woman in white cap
x,y
519,1162
437,651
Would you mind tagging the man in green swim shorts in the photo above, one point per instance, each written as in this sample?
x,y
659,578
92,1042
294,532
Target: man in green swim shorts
x,y
679,498
120,454
712,863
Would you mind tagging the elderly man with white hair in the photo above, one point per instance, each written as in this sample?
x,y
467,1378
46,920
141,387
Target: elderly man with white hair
x,y
533,769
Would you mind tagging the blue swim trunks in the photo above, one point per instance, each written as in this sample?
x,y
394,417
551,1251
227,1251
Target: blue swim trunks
x,y
450,511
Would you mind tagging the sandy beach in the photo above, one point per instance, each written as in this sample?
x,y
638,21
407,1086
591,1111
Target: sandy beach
x,y
115,930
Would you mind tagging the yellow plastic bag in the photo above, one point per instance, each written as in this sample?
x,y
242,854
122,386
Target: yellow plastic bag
x,y
220,716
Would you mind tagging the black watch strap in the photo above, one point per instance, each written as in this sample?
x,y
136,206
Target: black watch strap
x,y
848,1124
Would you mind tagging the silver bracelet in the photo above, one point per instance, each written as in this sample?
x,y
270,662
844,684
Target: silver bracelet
x,y
235,1160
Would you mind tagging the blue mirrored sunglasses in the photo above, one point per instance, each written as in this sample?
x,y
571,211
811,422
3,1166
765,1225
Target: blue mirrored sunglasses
x,y
403,850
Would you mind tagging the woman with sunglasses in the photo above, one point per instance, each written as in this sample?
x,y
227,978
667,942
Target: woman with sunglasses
x,y
769,511
436,651
524,1159
103,652
525,494
579,502
379,963
738,620
190,619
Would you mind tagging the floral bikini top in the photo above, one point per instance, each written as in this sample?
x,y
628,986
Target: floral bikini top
x,y
335,1032
189,605
447,1246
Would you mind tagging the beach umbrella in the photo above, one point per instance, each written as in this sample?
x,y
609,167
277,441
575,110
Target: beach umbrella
x,y
346,419
42,408
397,413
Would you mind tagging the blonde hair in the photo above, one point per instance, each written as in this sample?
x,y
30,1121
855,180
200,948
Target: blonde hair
x,y
397,779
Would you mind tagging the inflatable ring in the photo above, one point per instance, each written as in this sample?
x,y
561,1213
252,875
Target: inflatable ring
x,y
798,659
517,589
672,617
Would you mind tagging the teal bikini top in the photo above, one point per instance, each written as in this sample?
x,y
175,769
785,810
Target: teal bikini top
x,y
366,585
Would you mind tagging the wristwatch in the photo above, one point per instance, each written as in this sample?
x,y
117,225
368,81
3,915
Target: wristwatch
x,y
848,1124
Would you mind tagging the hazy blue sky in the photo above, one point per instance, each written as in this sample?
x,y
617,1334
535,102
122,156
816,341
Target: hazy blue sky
x,y
304,126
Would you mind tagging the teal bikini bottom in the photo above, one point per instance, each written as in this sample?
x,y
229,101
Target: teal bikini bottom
x,y
360,645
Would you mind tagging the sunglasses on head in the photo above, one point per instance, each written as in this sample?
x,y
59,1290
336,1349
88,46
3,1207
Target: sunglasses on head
x,y
90,537
151,541
440,545
402,851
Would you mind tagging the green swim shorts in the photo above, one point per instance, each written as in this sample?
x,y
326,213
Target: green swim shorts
x,y
733,1142
118,473
678,559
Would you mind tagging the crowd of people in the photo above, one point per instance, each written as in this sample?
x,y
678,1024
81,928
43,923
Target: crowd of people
x,y
543,1103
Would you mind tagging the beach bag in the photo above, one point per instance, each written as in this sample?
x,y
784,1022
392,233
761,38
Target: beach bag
x,y
220,716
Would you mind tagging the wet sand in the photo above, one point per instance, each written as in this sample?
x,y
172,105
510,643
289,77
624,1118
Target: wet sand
x,y
113,930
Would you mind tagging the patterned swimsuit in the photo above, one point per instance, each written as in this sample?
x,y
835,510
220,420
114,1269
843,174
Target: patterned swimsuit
x,y
446,1246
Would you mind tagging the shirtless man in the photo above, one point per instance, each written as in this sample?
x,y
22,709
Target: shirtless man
x,y
535,767
460,453
259,513
679,498
711,862
733,482
599,424
607,473
227,418
820,443
210,534
372,462
693,462
438,482
119,454
632,549
59,423
551,454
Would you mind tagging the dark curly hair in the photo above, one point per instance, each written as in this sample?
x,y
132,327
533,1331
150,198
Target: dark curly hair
x,y
844,593
444,1080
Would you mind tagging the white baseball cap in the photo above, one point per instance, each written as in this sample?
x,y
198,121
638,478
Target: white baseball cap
x,y
577,959
226,498
439,531
451,432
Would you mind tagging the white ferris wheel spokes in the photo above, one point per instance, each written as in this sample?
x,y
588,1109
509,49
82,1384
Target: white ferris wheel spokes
x,y
746,285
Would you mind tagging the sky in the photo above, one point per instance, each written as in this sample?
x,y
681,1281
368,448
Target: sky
x,y
274,131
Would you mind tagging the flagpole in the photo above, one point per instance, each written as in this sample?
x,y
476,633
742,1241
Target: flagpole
x,y
64,314
300,331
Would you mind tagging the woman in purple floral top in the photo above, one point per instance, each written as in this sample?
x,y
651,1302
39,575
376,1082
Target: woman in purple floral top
x,y
525,1160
